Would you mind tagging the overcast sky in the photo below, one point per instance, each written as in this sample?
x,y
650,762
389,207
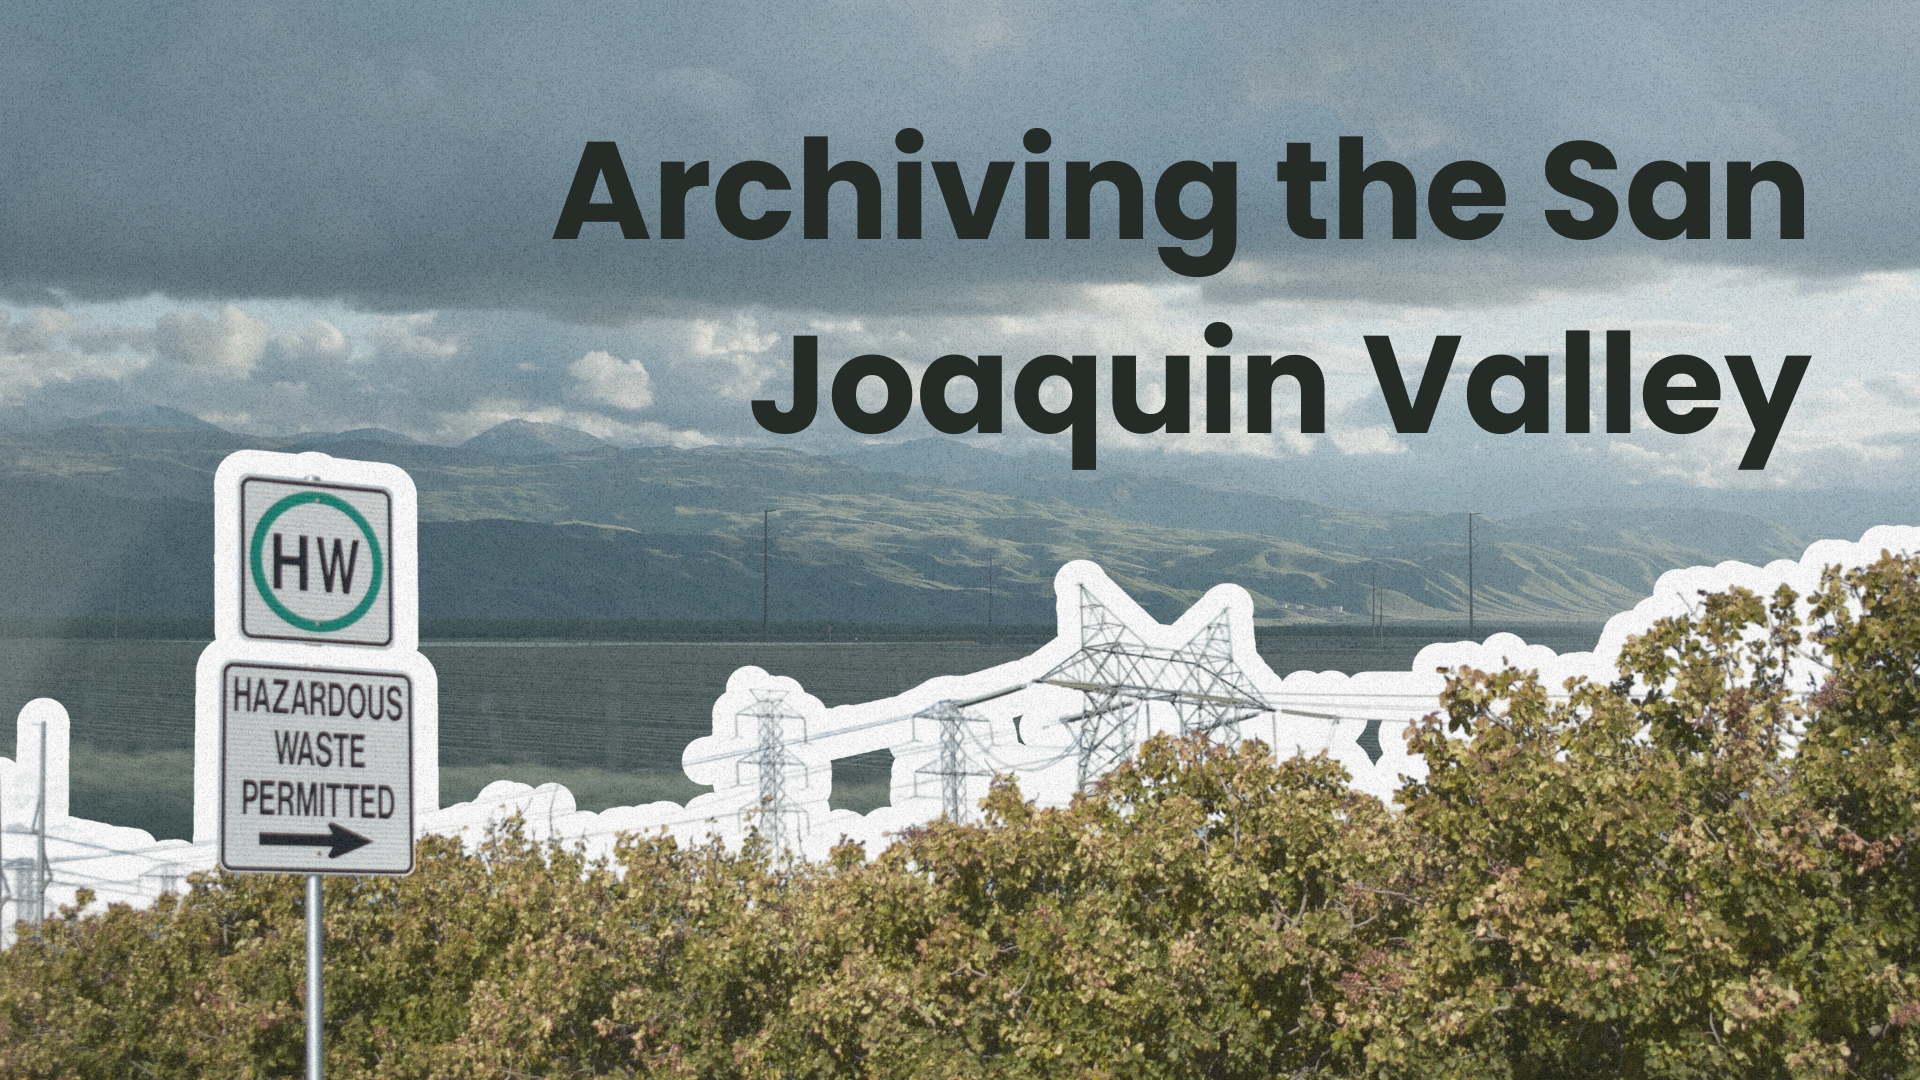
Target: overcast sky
x,y
287,219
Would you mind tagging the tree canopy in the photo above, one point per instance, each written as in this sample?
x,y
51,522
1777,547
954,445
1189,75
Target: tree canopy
x,y
1704,868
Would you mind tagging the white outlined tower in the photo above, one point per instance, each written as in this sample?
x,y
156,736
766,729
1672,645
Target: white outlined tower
x,y
1121,677
781,822
965,749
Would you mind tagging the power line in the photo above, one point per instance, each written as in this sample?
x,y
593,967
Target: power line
x,y
1376,608
32,900
954,765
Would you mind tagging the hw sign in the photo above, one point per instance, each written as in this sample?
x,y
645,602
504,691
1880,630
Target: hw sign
x,y
316,718
316,561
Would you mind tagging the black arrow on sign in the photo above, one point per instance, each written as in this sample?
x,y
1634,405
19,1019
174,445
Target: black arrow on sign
x,y
339,839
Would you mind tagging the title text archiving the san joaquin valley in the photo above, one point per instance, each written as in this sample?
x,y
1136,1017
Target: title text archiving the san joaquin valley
x,y
1465,200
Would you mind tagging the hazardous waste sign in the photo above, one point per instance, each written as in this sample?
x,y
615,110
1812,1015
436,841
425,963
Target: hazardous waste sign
x,y
315,562
316,718
316,770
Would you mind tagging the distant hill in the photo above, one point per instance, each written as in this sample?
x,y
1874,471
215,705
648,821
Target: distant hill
x,y
909,535
156,417
358,435
149,417
69,551
526,438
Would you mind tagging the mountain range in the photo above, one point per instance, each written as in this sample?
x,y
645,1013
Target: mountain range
x,y
529,520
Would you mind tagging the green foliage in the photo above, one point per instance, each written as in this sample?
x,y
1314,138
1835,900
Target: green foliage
x,y
661,535
1648,882
1699,870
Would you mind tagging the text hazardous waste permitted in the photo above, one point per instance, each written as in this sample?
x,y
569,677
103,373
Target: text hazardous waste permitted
x,y
316,562
316,770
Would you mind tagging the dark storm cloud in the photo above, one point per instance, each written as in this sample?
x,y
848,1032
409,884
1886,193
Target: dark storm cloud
x,y
402,157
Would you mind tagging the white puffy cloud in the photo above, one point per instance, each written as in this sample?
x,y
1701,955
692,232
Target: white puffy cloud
x,y
318,341
322,338
233,343
407,336
1375,439
731,357
623,384
40,350
33,333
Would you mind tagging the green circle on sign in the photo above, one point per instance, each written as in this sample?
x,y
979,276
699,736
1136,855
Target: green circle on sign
x,y
302,498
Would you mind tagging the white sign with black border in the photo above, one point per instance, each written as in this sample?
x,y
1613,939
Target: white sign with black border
x,y
316,770
317,550
316,562
314,571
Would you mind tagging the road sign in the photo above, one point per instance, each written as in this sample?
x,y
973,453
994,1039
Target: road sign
x,y
315,561
316,770
314,566
316,719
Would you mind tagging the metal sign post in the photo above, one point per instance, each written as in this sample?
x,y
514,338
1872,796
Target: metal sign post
x,y
316,945
316,718
303,749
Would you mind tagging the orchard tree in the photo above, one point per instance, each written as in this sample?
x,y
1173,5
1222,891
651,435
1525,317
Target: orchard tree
x,y
1704,868
1641,878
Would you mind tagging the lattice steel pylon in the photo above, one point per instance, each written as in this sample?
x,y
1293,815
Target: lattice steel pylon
x,y
954,764
1122,677
6,889
774,761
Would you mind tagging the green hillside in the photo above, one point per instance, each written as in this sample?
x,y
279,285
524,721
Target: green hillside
x,y
113,519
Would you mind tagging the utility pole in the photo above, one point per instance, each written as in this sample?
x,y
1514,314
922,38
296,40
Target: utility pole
x,y
1374,607
766,533
989,592
1470,516
39,893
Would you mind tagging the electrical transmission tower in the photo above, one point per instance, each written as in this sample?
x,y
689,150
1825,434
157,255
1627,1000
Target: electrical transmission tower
x,y
955,764
6,890
770,714
1122,677
33,898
